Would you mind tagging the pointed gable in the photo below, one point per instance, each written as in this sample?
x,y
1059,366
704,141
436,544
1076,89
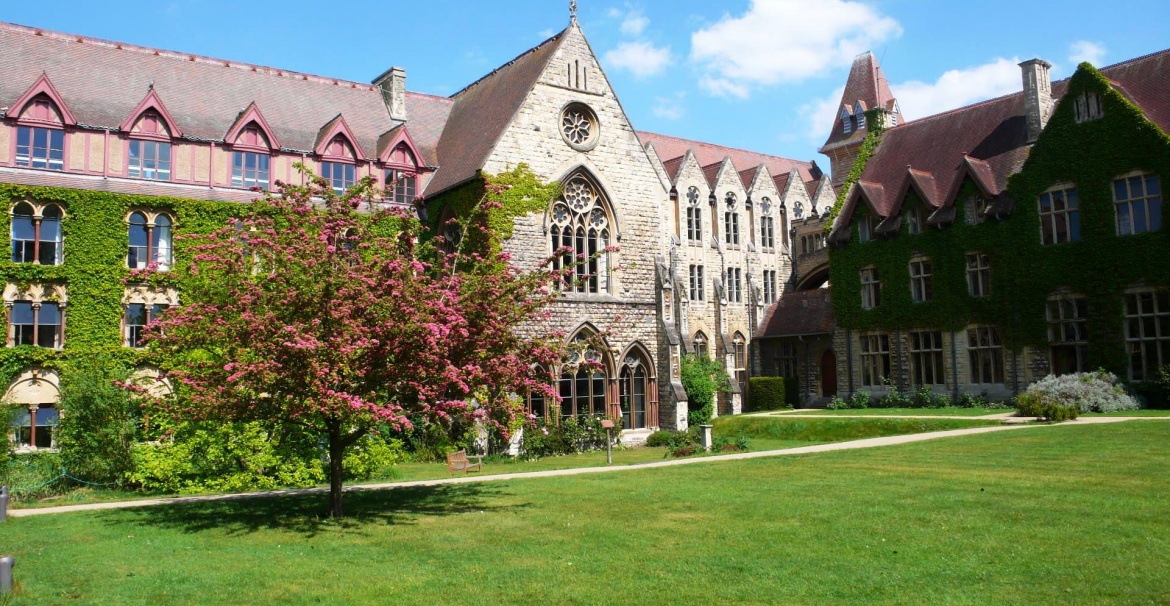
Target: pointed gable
x,y
151,104
865,89
43,88
335,138
482,112
396,148
251,130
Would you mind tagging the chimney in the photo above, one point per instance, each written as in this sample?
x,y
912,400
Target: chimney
x,y
1037,95
392,83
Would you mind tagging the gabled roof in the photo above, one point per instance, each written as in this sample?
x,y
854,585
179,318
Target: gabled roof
x,y
333,128
707,153
249,115
103,82
482,112
42,86
152,102
711,173
985,142
798,313
867,85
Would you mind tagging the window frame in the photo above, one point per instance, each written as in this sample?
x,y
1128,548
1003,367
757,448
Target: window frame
x,y
154,253
54,155
876,363
921,280
40,214
697,283
927,360
1070,214
1151,204
871,287
1141,345
978,274
985,356
1064,313
16,338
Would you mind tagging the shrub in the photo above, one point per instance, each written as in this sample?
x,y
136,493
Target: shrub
x,y
971,401
225,457
702,378
1088,392
33,475
837,403
99,423
373,456
767,393
1045,406
570,436
683,444
895,399
1158,394
925,397
658,439
860,400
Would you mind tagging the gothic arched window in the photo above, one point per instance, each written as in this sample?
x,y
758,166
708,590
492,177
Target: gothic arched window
x,y
731,222
634,392
583,382
694,217
767,225
701,345
581,222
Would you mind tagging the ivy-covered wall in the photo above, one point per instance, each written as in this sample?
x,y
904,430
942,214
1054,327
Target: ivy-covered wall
x,y
96,238
1025,273
517,192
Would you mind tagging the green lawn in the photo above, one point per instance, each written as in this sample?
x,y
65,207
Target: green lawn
x,y
921,412
1041,515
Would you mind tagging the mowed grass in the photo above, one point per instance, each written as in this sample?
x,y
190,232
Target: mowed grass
x,y
1040,515
949,411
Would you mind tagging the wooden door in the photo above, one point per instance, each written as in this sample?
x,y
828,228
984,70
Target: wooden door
x,y
828,374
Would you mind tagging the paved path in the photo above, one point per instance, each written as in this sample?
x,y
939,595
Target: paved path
x,y
854,445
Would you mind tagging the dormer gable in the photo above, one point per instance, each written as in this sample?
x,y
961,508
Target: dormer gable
x,y
250,131
151,120
397,150
336,141
42,104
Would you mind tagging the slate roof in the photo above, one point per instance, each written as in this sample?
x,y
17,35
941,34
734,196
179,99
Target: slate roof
x,y
986,141
102,82
798,313
867,84
669,148
482,112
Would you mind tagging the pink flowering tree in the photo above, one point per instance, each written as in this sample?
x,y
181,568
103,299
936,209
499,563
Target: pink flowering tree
x,y
338,315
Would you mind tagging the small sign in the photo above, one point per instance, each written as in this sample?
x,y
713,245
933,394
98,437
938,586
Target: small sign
x,y
606,423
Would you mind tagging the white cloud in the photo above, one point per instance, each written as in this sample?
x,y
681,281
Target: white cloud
x,y
918,99
670,108
547,33
639,58
634,22
744,52
959,87
1084,50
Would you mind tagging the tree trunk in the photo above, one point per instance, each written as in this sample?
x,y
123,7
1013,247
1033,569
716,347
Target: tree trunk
x,y
336,458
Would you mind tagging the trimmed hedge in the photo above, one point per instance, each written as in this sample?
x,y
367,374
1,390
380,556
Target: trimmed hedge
x,y
767,393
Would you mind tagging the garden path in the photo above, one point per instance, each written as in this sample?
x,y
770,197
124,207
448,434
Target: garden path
x,y
853,445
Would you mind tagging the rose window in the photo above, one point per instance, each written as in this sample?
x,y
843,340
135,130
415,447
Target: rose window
x,y
579,127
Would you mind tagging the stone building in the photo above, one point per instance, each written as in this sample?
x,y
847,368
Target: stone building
x,y
702,232
986,247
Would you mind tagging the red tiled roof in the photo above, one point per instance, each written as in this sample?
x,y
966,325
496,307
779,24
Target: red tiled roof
x,y
866,84
711,172
986,141
102,82
707,153
797,313
427,115
673,166
482,111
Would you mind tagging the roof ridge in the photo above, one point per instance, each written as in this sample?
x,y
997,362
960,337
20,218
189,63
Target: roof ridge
x,y
428,95
1164,51
513,61
727,147
178,55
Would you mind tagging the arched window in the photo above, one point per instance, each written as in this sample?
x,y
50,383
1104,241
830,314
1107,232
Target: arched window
x,y
731,222
633,386
694,217
767,225
701,345
584,382
150,241
36,234
337,166
581,222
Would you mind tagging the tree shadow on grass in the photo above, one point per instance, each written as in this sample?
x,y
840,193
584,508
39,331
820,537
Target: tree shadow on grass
x,y
308,514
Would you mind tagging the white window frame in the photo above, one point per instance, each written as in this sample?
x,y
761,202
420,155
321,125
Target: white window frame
x,y
921,280
1070,214
871,287
978,274
1132,204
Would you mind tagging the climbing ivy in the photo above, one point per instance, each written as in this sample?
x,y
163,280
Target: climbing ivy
x,y
1025,273
869,145
94,269
513,194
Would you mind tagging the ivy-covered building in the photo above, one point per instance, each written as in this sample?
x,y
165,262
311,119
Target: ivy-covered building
x,y
110,152
984,248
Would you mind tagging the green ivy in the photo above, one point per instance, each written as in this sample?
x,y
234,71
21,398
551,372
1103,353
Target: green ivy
x,y
520,192
869,145
94,268
1024,273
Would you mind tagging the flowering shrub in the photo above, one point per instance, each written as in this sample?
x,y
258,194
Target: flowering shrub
x,y
1088,392
571,436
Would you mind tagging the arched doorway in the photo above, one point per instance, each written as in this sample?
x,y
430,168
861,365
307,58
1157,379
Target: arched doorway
x,y
829,374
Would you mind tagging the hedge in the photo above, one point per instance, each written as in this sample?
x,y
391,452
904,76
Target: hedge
x,y
767,393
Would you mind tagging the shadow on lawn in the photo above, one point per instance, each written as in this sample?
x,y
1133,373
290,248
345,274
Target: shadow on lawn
x,y
308,514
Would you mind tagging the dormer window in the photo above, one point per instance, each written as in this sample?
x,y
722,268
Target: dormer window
x,y
1088,107
252,144
913,221
338,168
859,112
975,210
865,228
150,158
846,122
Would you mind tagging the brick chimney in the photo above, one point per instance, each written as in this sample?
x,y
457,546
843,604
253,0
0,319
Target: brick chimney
x,y
1037,95
392,83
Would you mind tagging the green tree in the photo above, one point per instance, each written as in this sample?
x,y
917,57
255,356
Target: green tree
x,y
99,421
702,378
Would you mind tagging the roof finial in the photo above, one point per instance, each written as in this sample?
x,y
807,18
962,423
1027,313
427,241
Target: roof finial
x,y
573,11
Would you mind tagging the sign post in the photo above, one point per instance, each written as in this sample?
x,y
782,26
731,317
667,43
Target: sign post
x,y
608,425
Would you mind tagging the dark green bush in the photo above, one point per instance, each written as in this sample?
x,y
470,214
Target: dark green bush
x,y
702,378
570,436
99,422
767,393
1042,405
658,439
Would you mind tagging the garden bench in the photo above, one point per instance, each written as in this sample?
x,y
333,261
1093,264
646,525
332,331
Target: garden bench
x,y
459,461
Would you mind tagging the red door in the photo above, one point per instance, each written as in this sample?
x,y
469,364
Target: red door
x,y
828,374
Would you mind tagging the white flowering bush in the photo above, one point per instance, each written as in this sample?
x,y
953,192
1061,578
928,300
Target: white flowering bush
x,y
1088,391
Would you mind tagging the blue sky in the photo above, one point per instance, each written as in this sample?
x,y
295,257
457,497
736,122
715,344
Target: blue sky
x,y
758,74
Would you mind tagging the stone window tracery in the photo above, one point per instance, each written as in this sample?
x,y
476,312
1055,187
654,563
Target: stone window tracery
x,y
581,222
36,315
731,221
579,126
142,305
694,217
36,233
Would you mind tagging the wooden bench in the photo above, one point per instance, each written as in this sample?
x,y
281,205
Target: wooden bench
x,y
459,461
